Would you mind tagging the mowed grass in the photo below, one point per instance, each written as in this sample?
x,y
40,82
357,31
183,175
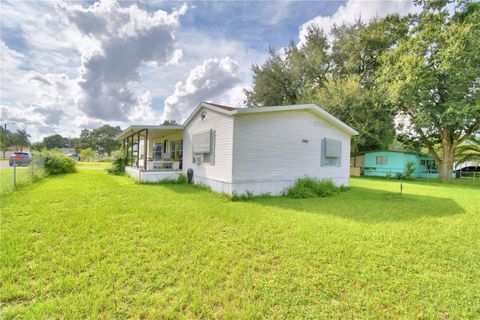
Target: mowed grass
x,y
93,164
23,175
89,245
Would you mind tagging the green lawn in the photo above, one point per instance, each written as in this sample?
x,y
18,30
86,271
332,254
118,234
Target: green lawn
x,y
94,164
23,175
89,245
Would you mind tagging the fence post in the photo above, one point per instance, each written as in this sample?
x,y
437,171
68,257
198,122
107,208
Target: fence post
x,y
14,173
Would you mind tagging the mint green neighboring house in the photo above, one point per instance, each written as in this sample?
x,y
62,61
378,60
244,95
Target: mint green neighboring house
x,y
381,163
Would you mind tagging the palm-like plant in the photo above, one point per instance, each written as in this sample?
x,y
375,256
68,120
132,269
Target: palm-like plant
x,y
469,151
21,139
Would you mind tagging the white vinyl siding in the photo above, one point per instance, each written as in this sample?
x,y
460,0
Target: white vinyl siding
x,y
284,146
219,165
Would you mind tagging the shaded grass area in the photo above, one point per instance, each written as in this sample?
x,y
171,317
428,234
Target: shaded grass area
x,y
93,245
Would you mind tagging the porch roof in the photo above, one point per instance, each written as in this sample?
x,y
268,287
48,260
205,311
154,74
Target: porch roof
x,y
134,129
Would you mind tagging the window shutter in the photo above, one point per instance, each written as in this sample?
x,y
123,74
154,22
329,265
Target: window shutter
x,y
212,146
322,152
333,148
201,142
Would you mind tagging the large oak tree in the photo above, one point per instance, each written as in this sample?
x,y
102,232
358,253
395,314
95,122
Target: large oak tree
x,y
433,78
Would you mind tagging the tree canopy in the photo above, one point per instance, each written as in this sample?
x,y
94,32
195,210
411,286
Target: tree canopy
x,y
101,140
433,78
338,74
421,70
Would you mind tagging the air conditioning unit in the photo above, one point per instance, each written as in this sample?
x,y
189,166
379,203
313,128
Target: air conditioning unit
x,y
199,158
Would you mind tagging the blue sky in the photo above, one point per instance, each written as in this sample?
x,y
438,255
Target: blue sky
x,y
73,65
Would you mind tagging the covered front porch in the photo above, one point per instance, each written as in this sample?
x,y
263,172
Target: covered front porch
x,y
154,152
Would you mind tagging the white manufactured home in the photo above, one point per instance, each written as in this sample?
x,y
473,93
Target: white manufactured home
x,y
260,150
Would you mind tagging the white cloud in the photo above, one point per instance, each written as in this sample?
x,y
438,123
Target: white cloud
x,y
354,9
205,82
126,37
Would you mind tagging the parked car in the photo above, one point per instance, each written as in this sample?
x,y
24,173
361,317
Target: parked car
x,y
74,156
470,169
20,158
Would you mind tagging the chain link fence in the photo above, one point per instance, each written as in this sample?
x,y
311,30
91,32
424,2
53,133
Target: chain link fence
x,y
18,171
468,176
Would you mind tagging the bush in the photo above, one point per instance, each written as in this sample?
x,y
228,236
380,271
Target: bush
x,y
88,154
311,187
119,163
57,163
182,179
409,169
242,197
399,175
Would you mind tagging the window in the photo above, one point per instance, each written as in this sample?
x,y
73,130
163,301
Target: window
x,y
382,160
157,151
331,152
172,149
203,143
176,149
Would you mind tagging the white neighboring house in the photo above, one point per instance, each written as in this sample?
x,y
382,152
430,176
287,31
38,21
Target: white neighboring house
x,y
260,150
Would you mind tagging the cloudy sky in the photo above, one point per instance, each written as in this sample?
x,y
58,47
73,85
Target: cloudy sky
x,y
72,65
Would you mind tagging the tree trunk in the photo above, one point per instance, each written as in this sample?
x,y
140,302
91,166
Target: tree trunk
x,y
446,164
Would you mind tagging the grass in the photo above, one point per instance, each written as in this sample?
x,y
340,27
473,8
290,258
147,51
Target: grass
x,y
94,164
90,245
23,175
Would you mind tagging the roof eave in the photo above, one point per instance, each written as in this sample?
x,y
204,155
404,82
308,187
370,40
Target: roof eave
x,y
137,128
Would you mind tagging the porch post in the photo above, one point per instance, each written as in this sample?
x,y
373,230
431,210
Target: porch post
x,y
145,150
131,153
126,147
138,149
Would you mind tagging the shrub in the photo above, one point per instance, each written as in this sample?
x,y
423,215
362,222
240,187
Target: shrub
x,y
311,187
399,175
88,154
119,162
242,197
57,163
409,169
182,179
